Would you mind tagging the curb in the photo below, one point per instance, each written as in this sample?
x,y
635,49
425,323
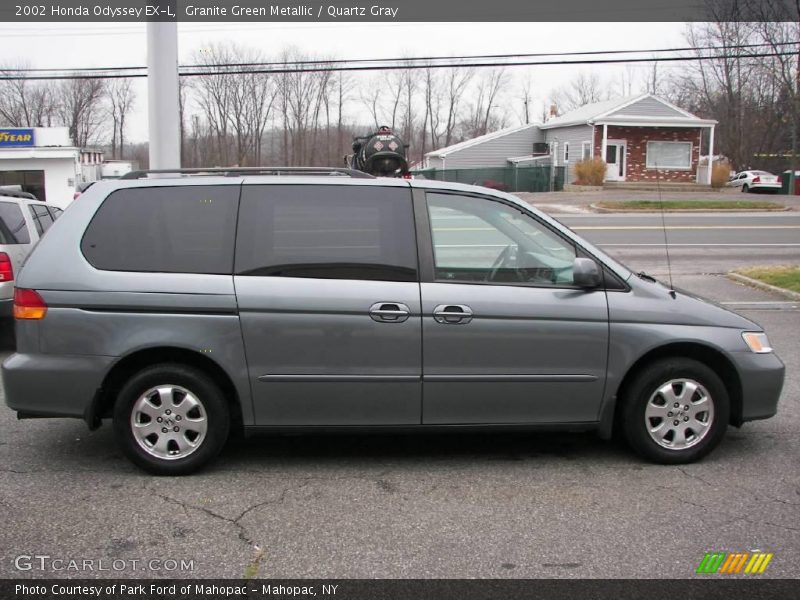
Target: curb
x,y
600,209
763,286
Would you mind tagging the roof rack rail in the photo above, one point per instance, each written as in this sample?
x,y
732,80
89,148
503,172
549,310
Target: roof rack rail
x,y
14,193
238,171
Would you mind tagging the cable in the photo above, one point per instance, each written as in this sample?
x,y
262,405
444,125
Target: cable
x,y
400,67
404,60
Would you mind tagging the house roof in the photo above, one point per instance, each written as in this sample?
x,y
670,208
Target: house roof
x,y
611,111
442,152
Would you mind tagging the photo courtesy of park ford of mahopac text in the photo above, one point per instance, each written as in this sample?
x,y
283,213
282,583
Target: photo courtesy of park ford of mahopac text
x,y
399,299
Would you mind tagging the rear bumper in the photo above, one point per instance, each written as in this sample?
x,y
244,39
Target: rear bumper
x,y
46,385
6,307
762,377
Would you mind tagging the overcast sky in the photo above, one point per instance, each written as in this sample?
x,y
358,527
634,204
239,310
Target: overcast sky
x,y
68,46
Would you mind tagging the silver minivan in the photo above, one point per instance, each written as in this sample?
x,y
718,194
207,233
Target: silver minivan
x,y
187,307
23,220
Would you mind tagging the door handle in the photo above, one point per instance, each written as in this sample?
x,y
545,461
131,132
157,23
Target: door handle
x,y
389,312
452,314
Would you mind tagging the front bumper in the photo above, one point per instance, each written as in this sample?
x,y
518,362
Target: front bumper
x,y
49,385
761,376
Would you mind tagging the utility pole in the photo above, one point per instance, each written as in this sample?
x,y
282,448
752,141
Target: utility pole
x,y
162,95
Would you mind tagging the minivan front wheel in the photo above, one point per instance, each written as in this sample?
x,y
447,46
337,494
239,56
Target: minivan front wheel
x,y
171,419
675,411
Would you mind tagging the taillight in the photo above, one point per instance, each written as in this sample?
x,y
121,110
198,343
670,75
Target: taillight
x,y
756,179
28,304
6,268
75,195
780,179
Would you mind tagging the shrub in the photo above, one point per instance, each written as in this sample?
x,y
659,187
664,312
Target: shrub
x,y
720,174
590,171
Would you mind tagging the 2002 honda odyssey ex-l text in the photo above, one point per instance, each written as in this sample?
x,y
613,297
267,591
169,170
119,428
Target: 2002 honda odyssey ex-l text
x,y
186,307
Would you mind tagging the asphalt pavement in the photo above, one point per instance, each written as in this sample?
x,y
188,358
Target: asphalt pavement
x,y
452,506
695,242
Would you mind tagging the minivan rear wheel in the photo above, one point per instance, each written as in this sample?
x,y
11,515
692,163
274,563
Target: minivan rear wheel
x,y
675,411
171,419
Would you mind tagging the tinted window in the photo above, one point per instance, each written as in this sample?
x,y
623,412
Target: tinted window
x,y
187,229
329,232
12,225
480,240
42,218
56,212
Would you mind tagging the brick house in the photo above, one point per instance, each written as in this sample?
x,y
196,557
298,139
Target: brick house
x,y
640,138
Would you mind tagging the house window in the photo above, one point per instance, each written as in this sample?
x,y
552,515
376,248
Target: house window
x,y
586,150
669,155
566,152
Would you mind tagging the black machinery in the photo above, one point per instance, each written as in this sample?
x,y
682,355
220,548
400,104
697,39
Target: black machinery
x,y
381,153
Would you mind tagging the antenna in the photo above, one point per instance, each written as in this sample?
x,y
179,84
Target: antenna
x,y
664,229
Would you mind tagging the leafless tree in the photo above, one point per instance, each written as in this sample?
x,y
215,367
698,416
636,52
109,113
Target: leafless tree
x,y
778,27
526,98
80,109
121,98
585,88
235,107
487,97
25,103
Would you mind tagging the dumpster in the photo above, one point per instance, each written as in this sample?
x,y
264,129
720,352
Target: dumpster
x,y
787,182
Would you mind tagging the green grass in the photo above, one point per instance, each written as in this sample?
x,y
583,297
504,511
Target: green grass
x,y
655,205
784,277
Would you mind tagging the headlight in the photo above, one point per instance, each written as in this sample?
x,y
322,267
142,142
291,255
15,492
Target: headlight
x,y
757,342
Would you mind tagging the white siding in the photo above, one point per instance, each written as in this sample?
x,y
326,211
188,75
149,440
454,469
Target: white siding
x,y
491,153
574,136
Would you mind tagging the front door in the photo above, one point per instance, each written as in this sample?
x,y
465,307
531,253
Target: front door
x,y
615,161
328,292
507,337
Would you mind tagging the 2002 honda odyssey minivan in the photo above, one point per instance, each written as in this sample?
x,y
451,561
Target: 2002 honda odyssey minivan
x,y
187,307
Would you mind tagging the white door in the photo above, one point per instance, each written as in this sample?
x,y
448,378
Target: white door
x,y
615,161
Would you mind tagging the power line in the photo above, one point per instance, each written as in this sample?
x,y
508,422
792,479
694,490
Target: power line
x,y
222,69
404,60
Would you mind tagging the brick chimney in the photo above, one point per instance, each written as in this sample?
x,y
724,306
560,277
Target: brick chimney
x,y
553,110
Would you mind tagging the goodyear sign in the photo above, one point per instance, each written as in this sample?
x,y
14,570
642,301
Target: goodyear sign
x,y
10,137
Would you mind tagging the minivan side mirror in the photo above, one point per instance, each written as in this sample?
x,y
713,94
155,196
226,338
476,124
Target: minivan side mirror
x,y
586,273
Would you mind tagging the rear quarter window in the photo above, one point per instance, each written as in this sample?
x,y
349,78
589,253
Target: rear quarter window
x,y
13,229
184,229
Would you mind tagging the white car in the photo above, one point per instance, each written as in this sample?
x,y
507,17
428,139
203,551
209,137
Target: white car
x,y
23,220
756,181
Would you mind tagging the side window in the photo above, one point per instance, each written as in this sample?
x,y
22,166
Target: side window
x,y
566,152
476,240
12,225
41,217
55,212
184,229
327,232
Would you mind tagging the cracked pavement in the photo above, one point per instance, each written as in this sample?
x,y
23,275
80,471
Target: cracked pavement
x,y
490,506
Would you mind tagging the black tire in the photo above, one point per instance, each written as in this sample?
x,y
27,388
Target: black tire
x,y
745,188
644,386
211,400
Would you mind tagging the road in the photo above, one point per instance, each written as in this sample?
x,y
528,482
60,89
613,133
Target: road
x,y
461,506
697,243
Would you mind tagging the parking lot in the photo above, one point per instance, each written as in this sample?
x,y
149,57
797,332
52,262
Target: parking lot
x,y
449,506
